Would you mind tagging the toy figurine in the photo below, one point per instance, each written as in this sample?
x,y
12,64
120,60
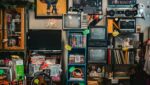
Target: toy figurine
x,y
126,42
49,4
12,29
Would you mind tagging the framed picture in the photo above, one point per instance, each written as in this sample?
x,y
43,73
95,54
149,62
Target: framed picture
x,y
86,6
50,8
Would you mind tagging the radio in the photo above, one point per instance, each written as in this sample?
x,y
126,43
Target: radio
x,y
127,25
121,3
121,12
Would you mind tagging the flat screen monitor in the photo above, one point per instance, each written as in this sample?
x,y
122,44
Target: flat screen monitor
x,y
44,40
97,55
72,21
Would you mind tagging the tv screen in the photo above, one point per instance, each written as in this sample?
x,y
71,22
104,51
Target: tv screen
x,y
44,40
72,21
97,55
98,33
127,24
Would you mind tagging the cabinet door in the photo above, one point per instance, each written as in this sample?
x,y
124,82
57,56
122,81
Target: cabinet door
x,y
14,29
1,29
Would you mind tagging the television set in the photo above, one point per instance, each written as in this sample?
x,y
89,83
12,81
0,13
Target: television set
x,y
97,54
98,36
127,25
44,39
72,21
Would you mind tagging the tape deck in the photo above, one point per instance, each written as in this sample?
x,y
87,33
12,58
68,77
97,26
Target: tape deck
x,y
121,12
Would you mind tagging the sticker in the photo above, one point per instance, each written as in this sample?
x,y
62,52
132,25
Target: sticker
x,y
19,62
125,49
1,72
81,84
115,33
36,81
85,32
71,69
100,17
68,47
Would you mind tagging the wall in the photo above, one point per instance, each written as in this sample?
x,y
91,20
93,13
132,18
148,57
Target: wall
x,y
57,24
47,23
145,23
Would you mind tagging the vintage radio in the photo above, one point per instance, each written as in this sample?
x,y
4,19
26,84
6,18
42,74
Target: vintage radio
x,y
121,12
127,25
121,3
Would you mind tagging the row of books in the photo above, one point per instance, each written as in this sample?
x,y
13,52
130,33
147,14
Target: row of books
x,y
123,57
77,40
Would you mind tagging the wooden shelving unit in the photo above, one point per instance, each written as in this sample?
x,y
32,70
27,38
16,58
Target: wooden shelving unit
x,y
14,29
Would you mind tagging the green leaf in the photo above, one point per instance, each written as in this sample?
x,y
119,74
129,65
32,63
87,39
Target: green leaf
x,y
1,72
81,83
85,32
71,69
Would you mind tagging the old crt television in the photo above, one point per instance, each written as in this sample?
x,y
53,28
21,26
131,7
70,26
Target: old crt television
x,y
72,21
97,36
97,54
44,39
75,21
127,25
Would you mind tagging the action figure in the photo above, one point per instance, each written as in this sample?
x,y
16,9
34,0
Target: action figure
x,y
49,3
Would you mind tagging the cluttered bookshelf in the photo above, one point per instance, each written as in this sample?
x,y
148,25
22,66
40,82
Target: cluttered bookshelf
x,y
76,67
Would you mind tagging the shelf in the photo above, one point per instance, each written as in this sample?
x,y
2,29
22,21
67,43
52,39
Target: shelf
x,y
13,35
121,78
123,64
75,30
76,48
122,48
76,64
101,63
77,41
76,81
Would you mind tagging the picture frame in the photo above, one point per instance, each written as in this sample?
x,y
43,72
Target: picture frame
x,y
86,6
50,8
